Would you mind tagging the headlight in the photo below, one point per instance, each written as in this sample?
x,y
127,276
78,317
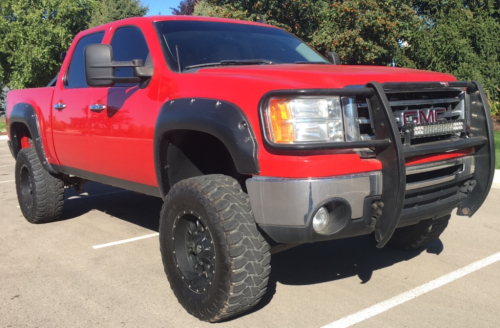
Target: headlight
x,y
306,120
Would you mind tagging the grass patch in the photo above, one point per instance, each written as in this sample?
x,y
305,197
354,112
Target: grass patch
x,y
497,149
3,126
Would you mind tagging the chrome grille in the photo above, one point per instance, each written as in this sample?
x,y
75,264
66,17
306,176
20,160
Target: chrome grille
x,y
365,127
451,99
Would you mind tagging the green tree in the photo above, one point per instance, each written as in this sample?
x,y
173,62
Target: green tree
x,y
33,33
186,7
365,31
112,10
461,37
204,8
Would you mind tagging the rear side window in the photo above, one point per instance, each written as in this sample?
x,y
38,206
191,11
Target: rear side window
x,y
129,43
76,72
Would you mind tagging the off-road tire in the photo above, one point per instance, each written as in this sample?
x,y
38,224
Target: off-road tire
x,y
40,194
419,235
242,257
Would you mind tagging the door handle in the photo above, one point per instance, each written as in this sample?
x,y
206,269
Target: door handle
x,y
97,108
59,106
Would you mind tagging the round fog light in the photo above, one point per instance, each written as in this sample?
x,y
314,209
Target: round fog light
x,y
321,219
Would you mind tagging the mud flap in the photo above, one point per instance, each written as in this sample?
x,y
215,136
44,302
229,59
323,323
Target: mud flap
x,y
393,164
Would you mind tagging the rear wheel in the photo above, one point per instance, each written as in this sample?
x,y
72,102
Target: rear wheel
x,y
40,194
418,235
215,259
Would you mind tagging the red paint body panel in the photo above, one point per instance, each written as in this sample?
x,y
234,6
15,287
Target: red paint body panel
x,y
119,141
440,157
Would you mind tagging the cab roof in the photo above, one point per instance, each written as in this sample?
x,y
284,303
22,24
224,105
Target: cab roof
x,y
162,18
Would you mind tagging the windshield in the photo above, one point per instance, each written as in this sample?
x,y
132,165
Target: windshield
x,y
198,42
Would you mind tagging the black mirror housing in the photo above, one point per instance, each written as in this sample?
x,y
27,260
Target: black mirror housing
x,y
334,58
100,67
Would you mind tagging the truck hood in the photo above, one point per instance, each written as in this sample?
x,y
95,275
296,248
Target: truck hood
x,y
325,76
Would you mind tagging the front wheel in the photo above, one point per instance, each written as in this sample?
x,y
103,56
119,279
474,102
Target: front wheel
x,y
216,260
418,235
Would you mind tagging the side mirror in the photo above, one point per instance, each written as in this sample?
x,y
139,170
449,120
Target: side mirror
x,y
334,58
100,67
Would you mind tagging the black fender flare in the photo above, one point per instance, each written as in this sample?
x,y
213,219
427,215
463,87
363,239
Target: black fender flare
x,y
25,114
221,119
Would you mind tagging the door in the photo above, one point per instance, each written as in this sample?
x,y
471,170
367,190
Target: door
x,y
70,111
122,118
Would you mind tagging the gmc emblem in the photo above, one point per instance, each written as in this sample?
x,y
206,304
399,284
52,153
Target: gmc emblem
x,y
418,116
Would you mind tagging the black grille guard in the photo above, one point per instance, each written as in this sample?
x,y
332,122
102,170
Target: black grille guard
x,y
390,151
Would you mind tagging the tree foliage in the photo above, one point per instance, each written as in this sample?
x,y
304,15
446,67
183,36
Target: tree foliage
x,y
113,10
186,7
33,33
3,96
365,31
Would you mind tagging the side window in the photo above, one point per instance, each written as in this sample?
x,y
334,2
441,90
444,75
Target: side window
x,y
76,73
129,43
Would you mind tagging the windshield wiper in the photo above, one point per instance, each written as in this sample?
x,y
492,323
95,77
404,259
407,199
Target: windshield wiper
x,y
232,63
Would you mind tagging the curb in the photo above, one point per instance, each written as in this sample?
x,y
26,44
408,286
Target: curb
x,y
4,137
496,178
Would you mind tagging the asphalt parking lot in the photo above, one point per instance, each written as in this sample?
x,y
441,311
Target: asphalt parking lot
x,y
53,275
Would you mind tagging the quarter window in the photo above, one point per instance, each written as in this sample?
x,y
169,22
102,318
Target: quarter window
x,y
76,73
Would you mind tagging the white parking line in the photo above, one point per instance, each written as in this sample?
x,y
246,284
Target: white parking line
x,y
7,181
125,241
7,165
411,294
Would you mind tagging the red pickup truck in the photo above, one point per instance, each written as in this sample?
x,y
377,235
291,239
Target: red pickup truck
x,y
251,137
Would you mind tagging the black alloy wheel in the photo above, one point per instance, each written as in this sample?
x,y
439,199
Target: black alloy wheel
x,y
26,185
194,251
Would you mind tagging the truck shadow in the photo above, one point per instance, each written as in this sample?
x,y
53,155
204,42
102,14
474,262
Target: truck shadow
x,y
303,265
122,204
335,260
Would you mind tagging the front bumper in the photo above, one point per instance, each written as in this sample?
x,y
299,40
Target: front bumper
x,y
350,200
284,208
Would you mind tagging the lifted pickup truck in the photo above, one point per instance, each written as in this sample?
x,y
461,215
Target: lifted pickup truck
x,y
250,137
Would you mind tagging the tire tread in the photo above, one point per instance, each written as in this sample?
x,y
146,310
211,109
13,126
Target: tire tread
x,y
48,190
249,273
